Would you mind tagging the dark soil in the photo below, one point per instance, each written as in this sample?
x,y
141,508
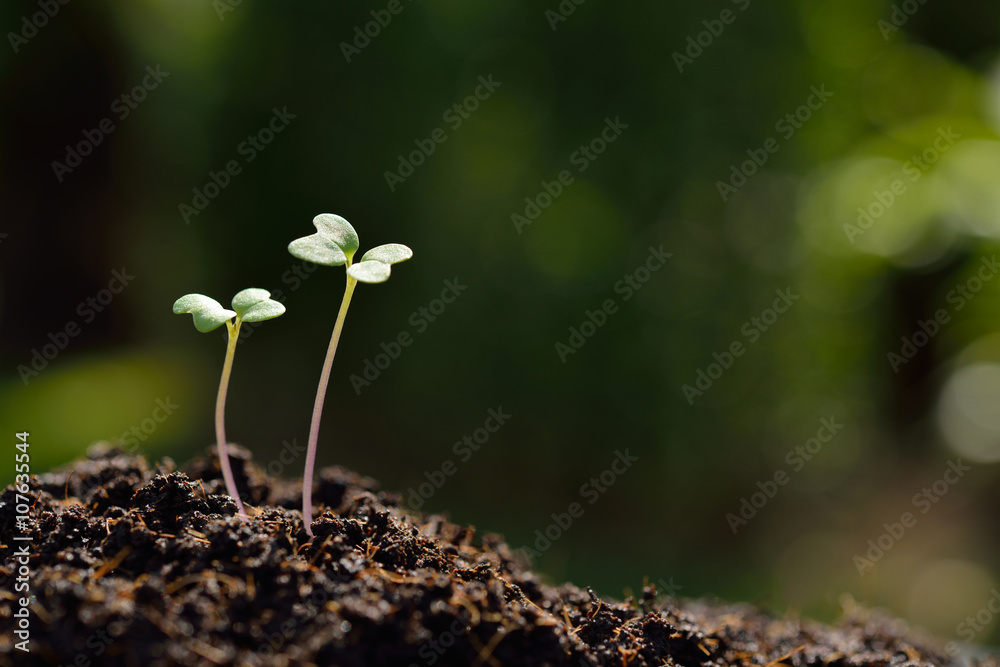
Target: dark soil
x,y
139,564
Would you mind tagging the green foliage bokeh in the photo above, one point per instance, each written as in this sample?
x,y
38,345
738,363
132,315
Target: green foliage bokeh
x,y
524,233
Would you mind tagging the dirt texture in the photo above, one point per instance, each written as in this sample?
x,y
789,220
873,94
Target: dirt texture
x,y
142,564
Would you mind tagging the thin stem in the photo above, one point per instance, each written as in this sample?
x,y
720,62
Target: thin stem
x,y
324,380
220,420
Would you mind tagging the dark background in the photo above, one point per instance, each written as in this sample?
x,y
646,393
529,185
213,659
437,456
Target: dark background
x,y
894,92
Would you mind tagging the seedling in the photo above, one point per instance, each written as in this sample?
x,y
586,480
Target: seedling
x,y
250,305
333,244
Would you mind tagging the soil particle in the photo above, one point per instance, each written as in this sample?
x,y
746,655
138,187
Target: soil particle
x,y
142,564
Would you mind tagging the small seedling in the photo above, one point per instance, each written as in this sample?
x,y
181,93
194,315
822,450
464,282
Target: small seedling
x,y
250,305
333,244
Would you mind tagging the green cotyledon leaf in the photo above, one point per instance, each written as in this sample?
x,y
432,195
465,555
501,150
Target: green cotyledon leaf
x,y
256,305
390,253
333,244
208,313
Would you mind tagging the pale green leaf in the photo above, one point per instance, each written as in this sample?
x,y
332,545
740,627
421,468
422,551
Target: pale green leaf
x,y
317,250
265,310
333,244
248,297
339,230
208,313
256,305
369,271
390,253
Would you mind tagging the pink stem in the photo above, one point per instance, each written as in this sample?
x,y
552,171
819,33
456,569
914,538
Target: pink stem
x,y
324,380
220,421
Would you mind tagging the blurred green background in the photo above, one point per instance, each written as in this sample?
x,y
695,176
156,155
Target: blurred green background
x,y
858,144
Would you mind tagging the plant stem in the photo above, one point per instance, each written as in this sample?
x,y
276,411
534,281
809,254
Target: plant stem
x,y
324,379
220,421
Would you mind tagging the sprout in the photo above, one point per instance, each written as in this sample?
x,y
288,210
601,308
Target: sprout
x,y
250,305
333,244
